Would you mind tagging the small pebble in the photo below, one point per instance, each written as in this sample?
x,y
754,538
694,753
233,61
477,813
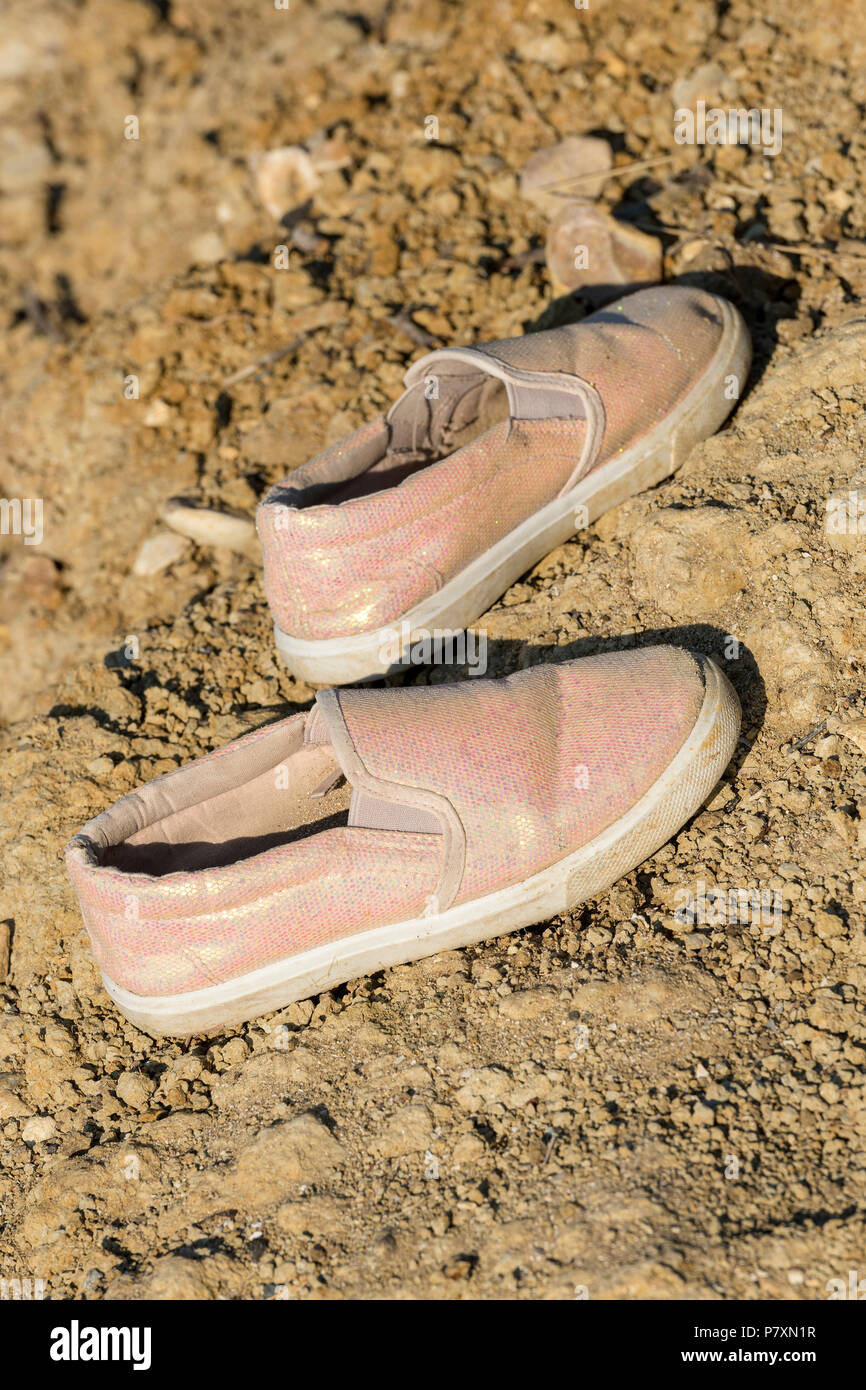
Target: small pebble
x,y
158,413
574,168
283,178
709,83
159,552
589,250
38,1129
211,525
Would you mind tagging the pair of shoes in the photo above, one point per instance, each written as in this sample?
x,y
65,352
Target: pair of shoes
x,y
388,824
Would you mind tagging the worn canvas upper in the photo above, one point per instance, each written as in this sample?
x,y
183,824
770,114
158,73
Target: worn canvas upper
x,y
485,782
380,521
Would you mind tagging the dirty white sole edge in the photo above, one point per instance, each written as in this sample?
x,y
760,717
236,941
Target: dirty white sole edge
x,y
342,660
669,803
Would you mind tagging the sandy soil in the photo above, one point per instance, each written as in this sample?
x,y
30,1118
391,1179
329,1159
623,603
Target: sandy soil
x,y
614,1104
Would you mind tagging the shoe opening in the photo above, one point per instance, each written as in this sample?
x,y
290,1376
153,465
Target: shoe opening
x,y
431,420
246,800
283,785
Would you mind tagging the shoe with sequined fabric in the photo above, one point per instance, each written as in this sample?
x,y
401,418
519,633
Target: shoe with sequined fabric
x,y
389,824
493,456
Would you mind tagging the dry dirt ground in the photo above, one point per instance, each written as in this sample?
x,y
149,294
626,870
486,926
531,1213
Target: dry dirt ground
x,y
615,1104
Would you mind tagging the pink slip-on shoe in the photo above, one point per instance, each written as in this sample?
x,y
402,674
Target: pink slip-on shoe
x,y
251,878
492,457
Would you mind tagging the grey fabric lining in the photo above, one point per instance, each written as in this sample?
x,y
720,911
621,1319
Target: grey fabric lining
x,y
466,403
532,395
176,791
372,813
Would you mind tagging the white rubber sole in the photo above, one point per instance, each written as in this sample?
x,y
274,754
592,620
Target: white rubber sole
x,y
669,803
343,660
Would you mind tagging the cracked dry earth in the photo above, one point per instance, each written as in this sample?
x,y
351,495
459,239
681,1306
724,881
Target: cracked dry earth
x,y
616,1103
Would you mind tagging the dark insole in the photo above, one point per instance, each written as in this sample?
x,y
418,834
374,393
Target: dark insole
x,y
389,473
158,858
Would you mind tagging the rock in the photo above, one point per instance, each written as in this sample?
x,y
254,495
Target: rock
x,y
329,154
23,163
13,1034
180,1131
643,1000
587,249
218,526
693,941
689,562
12,1107
39,579
207,249
709,83
57,1039
827,747
854,730
450,1056
468,1150
721,797
135,1089
159,413
832,1015
799,673
159,553
263,1078
483,1086
427,165
283,178
550,49
16,59
313,1215
55,1208
235,1052
298,1150
757,37
527,1003
408,1131
38,1129
5,950
574,168
175,1278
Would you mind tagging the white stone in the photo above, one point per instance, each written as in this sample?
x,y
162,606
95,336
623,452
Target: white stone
x,y
159,552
